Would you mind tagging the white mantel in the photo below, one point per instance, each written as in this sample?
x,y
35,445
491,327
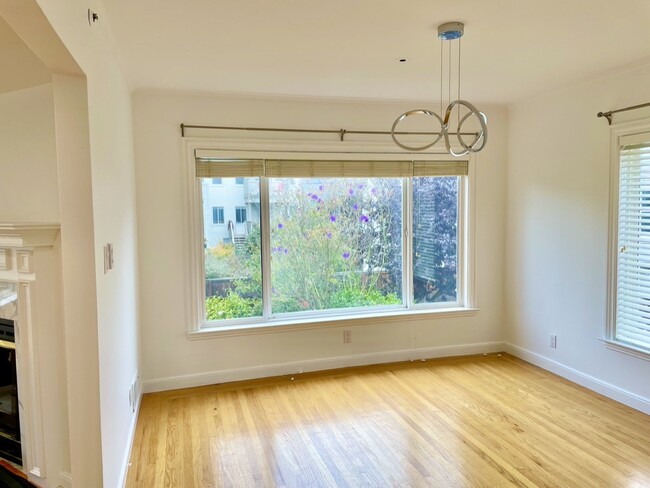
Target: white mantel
x,y
29,258
28,234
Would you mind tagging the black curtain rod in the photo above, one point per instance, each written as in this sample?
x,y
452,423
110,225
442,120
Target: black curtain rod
x,y
608,115
340,132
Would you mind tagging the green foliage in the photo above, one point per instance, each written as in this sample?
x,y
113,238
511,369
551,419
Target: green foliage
x,y
232,306
358,297
335,239
221,262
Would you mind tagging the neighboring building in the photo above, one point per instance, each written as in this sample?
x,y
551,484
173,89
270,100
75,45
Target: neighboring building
x,y
230,208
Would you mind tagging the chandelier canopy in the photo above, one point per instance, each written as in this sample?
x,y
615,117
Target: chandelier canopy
x,y
449,32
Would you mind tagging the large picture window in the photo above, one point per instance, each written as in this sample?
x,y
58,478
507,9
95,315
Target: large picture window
x,y
328,238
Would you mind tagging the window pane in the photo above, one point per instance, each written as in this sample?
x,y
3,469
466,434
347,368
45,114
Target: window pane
x,y
217,215
335,243
240,215
232,258
435,239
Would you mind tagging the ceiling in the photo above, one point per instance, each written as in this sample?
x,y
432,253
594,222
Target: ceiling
x,y
19,66
348,48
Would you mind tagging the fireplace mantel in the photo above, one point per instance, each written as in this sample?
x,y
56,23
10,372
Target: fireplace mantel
x,y
30,259
28,234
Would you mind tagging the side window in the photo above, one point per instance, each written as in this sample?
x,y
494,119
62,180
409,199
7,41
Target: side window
x,y
631,291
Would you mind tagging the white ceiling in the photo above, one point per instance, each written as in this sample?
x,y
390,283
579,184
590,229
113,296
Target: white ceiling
x,y
19,66
347,48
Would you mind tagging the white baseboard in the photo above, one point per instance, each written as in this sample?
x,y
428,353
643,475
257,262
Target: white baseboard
x,y
65,480
615,393
134,422
264,371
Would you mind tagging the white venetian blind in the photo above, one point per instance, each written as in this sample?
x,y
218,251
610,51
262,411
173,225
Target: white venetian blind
x,y
633,272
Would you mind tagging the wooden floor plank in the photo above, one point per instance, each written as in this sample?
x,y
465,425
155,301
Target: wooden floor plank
x,y
482,421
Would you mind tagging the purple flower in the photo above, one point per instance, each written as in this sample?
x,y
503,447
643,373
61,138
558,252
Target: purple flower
x,y
321,188
332,218
373,191
363,218
346,255
351,191
286,251
320,201
360,187
329,235
356,207
314,197
280,226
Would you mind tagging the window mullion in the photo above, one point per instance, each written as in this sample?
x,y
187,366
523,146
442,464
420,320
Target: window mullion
x,y
407,243
265,228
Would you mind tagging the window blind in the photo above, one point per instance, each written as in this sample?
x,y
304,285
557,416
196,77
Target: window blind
x,y
219,168
333,169
228,168
633,271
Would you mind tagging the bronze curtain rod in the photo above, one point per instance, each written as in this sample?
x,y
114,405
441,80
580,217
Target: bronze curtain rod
x,y
608,115
340,132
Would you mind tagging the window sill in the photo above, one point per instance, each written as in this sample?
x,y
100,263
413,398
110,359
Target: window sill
x,y
285,325
628,349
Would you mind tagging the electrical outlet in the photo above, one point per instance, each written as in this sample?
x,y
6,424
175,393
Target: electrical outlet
x,y
553,341
347,336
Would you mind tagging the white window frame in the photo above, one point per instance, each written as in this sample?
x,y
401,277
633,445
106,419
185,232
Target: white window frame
x,y
617,133
197,328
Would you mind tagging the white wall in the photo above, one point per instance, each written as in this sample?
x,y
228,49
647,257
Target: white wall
x,y
28,189
109,344
557,221
167,352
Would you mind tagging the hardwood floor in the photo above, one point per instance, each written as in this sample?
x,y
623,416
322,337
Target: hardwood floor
x,y
482,421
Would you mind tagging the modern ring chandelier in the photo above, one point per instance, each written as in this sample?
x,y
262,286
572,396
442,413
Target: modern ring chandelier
x,y
449,31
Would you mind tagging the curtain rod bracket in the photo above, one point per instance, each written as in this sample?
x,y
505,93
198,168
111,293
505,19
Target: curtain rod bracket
x,y
607,115
342,132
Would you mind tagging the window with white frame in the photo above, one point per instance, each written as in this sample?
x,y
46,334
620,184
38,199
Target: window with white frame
x,y
330,238
630,317
217,215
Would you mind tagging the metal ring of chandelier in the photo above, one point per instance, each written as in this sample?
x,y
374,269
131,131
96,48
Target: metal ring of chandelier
x,y
475,146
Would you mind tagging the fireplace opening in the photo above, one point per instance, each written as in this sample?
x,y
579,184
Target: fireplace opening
x,y
9,421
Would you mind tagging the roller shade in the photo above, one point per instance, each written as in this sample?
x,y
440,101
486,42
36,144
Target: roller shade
x,y
633,272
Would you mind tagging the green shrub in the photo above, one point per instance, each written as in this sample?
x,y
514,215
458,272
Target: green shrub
x,y
358,297
232,306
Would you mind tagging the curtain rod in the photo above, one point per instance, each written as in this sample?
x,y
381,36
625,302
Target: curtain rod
x,y
608,115
340,132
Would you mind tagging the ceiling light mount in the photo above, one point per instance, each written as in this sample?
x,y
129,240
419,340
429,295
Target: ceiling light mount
x,y
451,30
448,32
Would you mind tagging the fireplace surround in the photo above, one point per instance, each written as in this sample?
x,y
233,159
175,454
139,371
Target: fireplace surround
x,y
30,265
